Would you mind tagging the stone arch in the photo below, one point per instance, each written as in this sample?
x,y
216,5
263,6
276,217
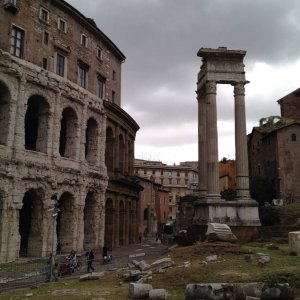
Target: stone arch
x,y
68,139
37,124
89,220
109,223
131,223
65,221
109,149
130,157
4,112
91,141
121,154
30,223
1,217
122,223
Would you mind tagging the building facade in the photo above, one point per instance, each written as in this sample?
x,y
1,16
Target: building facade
x,y
176,179
153,207
274,149
56,71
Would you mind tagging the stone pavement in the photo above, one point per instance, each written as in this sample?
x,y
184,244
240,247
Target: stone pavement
x,y
148,249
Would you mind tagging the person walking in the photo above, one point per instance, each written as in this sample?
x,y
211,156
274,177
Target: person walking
x,y
90,258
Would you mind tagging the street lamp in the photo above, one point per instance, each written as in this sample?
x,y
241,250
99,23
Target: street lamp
x,y
55,211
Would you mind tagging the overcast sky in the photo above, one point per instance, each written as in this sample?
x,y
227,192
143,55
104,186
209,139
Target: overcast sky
x,y
160,39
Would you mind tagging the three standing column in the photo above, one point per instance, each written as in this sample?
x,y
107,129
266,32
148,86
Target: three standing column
x,y
213,189
241,152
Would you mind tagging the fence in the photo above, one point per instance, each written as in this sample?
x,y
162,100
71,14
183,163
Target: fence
x,y
27,273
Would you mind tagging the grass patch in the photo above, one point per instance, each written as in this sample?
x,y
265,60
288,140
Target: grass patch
x,y
231,267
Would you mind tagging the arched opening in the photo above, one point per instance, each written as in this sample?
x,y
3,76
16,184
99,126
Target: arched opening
x,y
91,135
4,113
109,149
89,221
146,214
109,223
294,137
68,134
130,158
131,225
121,154
65,222
30,224
36,124
121,223
1,217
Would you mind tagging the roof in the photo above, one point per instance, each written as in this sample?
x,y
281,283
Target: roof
x,y
295,93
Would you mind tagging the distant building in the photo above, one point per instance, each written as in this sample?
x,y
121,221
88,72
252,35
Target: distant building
x,y
153,207
274,148
176,178
227,175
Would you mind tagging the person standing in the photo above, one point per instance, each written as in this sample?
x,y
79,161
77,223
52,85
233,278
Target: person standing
x,y
90,258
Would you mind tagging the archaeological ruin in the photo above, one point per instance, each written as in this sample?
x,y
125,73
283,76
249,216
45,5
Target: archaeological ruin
x,y
66,145
222,66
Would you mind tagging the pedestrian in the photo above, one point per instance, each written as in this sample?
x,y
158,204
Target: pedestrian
x,y
90,258
140,238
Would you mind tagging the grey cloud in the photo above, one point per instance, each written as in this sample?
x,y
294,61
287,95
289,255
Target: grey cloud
x,y
160,39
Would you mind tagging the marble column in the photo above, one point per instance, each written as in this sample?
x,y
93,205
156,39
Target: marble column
x,y
202,152
242,174
213,190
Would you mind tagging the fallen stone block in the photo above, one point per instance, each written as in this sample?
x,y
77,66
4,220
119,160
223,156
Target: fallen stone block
x,y
143,266
133,275
211,258
139,290
158,294
220,232
277,291
162,264
250,289
209,291
91,276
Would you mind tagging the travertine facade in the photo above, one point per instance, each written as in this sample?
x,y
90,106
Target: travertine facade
x,y
56,71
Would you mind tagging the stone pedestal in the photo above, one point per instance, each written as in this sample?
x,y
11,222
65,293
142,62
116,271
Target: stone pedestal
x,y
294,242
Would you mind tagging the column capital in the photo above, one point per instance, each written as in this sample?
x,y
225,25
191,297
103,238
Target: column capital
x,y
239,88
211,87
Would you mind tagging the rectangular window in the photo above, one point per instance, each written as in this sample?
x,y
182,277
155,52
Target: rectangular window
x,y
113,96
82,73
62,26
114,75
46,38
60,64
100,86
45,63
44,15
16,41
99,53
84,40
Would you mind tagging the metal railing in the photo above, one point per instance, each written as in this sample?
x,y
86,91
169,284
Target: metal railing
x,y
33,272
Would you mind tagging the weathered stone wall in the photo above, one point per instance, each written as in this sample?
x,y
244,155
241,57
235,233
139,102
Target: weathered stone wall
x,y
69,42
34,176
